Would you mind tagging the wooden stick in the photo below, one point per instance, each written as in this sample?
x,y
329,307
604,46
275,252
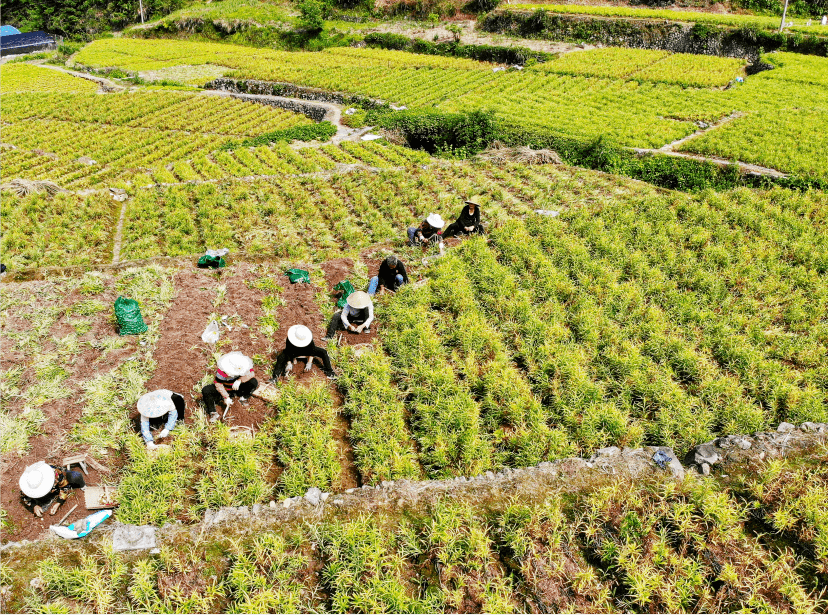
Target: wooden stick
x,y
67,514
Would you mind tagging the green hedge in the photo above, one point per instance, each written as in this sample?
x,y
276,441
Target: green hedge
x,y
307,132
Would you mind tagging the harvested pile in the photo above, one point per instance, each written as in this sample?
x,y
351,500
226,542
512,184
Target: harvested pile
x,y
24,187
499,153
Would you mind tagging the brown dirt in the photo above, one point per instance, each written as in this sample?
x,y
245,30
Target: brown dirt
x,y
52,445
182,360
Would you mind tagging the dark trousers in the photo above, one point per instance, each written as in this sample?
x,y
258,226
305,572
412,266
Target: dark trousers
x,y
336,324
455,228
282,360
212,396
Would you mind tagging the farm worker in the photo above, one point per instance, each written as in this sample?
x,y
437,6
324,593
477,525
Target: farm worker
x,y
356,316
153,406
234,376
468,222
391,275
299,345
43,484
427,232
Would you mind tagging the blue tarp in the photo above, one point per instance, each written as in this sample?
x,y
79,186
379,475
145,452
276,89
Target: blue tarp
x,y
28,42
8,30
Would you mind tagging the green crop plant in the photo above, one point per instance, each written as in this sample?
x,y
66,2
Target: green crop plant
x,y
304,444
383,448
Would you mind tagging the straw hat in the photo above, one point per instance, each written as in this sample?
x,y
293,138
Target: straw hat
x,y
37,479
473,200
235,364
435,221
156,403
300,336
359,300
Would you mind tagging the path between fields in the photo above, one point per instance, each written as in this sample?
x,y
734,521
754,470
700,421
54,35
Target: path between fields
x,y
471,36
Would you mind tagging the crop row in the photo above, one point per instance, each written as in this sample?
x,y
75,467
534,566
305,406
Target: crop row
x,y
683,69
736,20
649,111
191,113
29,78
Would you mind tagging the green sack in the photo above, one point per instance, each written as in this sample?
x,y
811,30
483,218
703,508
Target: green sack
x,y
347,288
298,275
128,314
211,262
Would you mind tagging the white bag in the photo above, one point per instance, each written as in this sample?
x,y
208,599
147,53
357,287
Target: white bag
x,y
211,333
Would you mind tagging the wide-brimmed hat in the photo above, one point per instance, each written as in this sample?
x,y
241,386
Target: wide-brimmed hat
x,y
473,200
435,221
359,300
235,364
156,403
300,335
37,479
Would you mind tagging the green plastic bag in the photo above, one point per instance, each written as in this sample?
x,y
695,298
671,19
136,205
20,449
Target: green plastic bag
x,y
211,262
128,314
347,288
298,275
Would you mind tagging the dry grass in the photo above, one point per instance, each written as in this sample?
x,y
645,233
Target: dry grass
x,y
499,153
24,187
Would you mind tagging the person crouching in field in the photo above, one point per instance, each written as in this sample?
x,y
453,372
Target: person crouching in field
x,y
234,376
427,233
391,275
356,316
43,484
468,221
299,345
156,405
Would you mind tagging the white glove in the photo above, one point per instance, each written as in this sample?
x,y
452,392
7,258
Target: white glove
x,y
164,433
228,402
309,364
236,385
152,446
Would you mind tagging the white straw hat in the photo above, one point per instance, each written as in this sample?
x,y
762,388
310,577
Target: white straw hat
x,y
156,403
300,335
435,220
359,300
235,364
37,480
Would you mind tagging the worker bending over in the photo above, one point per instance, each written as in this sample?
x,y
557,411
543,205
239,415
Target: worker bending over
x,y
356,316
427,233
154,406
299,345
234,376
391,275
43,484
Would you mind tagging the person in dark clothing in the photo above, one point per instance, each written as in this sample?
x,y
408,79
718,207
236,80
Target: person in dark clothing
x,y
356,316
391,275
299,345
160,408
234,376
43,484
427,233
468,222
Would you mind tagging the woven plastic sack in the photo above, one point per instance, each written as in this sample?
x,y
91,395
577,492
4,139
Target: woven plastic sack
x,y
347,288
298,275
210,262
128,313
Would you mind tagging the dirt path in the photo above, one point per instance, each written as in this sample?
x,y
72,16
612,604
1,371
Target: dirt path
x,y
119,234
106,84
470,36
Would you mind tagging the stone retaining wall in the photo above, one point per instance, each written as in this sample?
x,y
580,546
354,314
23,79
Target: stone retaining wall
x,y
289,90
489,491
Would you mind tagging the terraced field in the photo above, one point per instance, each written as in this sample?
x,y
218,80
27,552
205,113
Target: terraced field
x,y
641,99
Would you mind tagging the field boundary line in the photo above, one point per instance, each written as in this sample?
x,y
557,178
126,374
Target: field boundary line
x,y
105,84
671,147
116,244
752,169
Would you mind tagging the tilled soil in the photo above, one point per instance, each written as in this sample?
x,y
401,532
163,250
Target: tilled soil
x,y
182,361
